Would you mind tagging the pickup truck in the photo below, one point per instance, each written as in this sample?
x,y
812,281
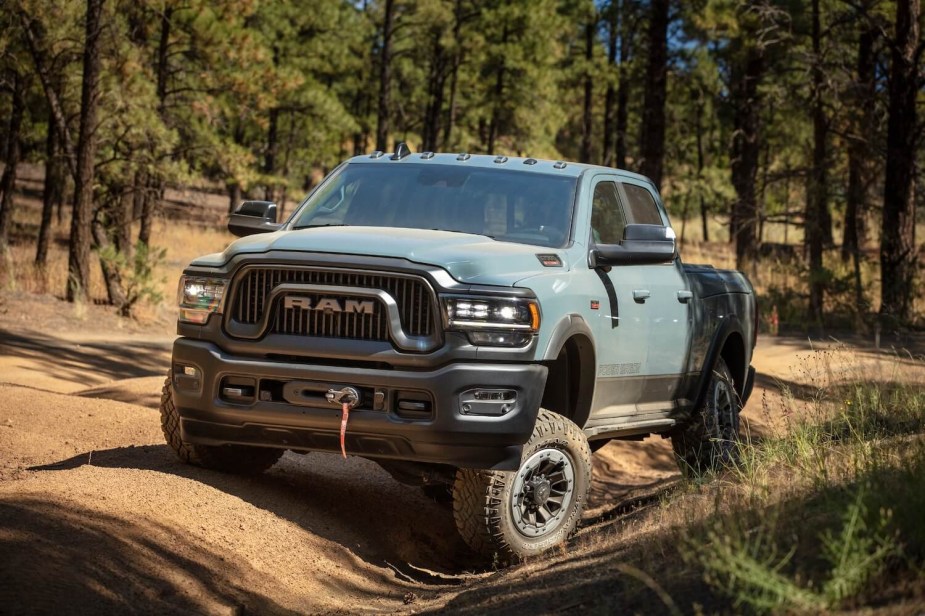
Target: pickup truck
x,y
478,325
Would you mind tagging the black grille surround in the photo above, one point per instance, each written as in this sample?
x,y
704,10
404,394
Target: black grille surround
x,y
327,302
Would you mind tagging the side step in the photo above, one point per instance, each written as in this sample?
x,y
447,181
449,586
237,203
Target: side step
x,y
630,428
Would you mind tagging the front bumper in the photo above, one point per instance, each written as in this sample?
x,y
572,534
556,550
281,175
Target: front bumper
x,y
445,434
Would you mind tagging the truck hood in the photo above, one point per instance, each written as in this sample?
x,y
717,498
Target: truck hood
x,y
471,259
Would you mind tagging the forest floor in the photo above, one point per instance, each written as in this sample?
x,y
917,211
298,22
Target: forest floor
x,y
97,515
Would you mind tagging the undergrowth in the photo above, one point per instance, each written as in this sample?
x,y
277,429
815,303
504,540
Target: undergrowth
x,y
827,512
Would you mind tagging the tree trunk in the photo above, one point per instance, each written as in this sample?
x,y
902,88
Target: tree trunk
x,y
698,126
450,121
608,153
897,247
234,197
51,194
496,107
112,277
385,78
11,159
817,202
78,279
652,144
51,93
746,148
623,89
587,123
436,86
858,146
269,161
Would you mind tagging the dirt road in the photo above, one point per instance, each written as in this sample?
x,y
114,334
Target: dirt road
x,y
97,515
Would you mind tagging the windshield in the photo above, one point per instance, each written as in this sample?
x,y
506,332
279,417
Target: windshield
x,y
510,206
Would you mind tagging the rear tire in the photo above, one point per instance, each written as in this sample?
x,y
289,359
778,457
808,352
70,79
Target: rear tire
x,y
710,439
237,459
507,516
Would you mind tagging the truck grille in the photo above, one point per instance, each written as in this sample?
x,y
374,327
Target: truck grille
x,y
255,284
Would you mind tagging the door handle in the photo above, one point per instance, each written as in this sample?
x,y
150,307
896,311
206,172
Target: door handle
x,y
640,295
685,296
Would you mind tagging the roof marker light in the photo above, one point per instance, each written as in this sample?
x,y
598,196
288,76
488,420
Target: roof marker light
x,y
427,155
500,160
530,161
464,156
376,154
560,164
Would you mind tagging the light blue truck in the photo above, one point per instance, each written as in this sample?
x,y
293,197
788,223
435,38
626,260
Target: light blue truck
x,y
478,325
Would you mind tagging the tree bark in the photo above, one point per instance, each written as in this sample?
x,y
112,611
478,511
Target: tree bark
x,y
78,280
458,53
51,94
608,150
493,125
897,246
858,168
623,89
746,148
112,277
587,120
652,144
385,77
11,159
269,160
51,194
436,87
817,202
698,126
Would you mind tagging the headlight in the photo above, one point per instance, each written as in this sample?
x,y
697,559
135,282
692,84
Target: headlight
x,y
493,321
199,297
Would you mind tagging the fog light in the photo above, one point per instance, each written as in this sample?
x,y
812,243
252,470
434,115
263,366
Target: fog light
x,y
191,371
491,402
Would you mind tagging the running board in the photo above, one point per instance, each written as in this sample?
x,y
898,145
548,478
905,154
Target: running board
x,y
631,428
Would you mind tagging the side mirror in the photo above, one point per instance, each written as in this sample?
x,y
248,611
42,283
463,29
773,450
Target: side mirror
x,y
253,217
641,245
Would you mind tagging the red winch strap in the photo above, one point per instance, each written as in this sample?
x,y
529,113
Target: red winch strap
x,y
344,416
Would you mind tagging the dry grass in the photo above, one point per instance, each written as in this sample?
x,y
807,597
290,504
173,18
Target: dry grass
x,y
181,240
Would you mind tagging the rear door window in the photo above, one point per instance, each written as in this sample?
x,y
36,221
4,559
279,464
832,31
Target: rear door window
x,y
641,208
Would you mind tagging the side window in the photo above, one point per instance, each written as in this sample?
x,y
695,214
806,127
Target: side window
x,y
607,220
641,208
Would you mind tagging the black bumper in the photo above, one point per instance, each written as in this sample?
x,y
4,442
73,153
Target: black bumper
x,y
445,434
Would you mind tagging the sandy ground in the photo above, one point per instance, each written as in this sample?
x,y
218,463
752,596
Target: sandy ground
x,y
97,515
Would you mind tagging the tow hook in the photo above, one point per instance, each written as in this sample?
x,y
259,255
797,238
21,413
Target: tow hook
x,y
347,398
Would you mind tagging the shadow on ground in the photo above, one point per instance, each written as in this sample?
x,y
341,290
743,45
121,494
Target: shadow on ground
x,y
72,361
353,503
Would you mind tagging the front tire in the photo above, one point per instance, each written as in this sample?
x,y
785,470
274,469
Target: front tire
x,y
710,439
507,516
237,459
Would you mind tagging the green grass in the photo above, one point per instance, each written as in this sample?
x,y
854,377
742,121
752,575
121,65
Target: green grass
x,y
827,513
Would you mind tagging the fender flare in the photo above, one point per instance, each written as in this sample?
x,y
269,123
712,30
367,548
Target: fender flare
x,y
568,326
573,326
731,325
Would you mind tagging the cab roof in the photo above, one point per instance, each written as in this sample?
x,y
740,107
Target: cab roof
x,y
514,163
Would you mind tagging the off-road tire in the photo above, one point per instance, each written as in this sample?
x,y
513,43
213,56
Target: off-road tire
x,y
484,501
237,459
710,439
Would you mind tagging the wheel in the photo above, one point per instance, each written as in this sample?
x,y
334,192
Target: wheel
x,y
238,459
710,439
507,516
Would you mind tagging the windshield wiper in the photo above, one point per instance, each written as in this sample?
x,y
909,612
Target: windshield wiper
x,y
329,224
